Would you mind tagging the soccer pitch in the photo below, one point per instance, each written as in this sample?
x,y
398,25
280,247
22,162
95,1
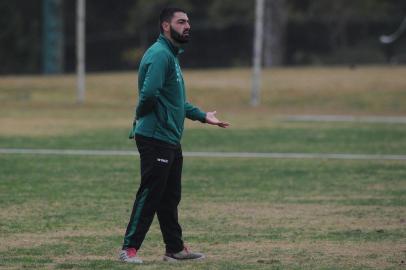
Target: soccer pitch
x,y
70,212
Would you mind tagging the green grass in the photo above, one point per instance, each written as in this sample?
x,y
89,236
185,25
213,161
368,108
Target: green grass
x,y
281,137
70,212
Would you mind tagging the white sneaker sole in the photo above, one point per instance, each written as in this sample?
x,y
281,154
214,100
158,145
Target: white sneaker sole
x,y
122,257
170,259
136,261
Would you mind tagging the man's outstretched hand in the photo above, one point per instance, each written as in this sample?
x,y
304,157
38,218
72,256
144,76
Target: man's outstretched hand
x,y
212,120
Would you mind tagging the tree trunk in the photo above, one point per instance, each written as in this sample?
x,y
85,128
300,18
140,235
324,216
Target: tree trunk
x,y
275,15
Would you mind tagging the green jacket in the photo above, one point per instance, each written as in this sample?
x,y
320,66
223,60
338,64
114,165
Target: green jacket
x,y
162,105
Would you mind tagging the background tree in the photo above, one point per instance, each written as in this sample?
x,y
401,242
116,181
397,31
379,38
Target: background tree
x,y
20,36
298,32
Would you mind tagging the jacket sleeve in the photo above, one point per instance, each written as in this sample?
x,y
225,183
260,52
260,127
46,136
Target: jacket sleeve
x,y
194,113
156,70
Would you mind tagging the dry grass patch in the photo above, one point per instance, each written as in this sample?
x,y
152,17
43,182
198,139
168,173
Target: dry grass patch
x,y
50,125
376,255
331,90
21,240
308,217
45,105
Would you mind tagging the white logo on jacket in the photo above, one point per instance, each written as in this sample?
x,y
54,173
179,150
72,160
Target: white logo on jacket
x,y
178,73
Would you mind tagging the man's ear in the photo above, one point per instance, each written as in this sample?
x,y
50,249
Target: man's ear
x,y
166,26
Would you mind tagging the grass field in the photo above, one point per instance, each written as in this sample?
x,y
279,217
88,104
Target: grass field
x,y
47,105
70,212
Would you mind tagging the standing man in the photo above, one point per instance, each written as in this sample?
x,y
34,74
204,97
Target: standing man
x,y
160,115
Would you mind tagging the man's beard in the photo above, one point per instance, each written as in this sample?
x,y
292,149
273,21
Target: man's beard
x,y
180,38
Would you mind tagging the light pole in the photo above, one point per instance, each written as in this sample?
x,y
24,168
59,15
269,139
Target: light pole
x,y
80,50
257,53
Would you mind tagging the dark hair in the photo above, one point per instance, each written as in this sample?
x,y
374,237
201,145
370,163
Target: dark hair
x,y
167,15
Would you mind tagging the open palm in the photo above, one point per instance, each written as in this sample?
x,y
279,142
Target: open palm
x,y
212,120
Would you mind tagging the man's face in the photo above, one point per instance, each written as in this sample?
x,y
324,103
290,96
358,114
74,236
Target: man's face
x,y
180,27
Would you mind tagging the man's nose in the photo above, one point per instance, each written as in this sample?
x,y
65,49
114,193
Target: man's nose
x,y
187,27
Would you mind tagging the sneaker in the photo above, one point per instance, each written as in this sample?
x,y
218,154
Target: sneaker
x,y
183,255
129,255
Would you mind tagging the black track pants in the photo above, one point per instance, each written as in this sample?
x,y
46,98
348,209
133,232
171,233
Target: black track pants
x,y
159,192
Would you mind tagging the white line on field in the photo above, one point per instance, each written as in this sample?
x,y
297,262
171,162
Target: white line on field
x,y
84,152
344,118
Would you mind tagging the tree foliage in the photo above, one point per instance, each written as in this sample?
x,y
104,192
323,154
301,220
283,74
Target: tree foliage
x,y
298,33
20,35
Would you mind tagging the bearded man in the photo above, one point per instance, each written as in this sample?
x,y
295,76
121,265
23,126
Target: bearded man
x,y
157,129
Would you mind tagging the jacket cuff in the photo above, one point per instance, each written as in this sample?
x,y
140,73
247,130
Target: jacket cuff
x,y
202,117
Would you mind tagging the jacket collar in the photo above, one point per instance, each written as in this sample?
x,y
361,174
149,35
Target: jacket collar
x,y
175,50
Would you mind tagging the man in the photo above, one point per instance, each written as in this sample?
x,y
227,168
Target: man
x,y
160,115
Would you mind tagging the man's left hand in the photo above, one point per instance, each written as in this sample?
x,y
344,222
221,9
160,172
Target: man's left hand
x,y
212,120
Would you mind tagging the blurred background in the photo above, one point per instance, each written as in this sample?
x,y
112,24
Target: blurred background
x,y
297,32
333,87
